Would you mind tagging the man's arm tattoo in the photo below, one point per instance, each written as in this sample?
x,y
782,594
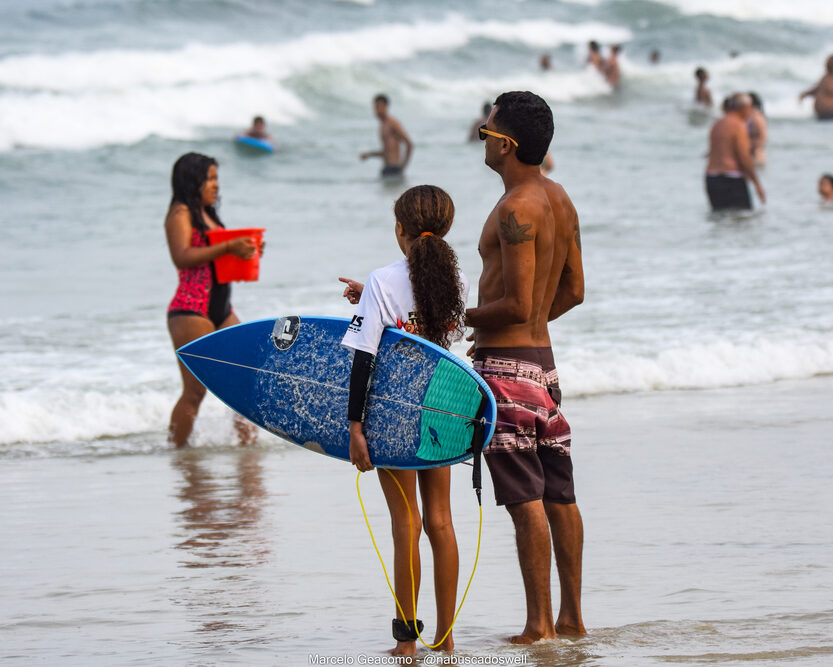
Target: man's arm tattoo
x,y
514,233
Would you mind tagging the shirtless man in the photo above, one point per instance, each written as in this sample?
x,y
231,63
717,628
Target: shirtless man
x,y
393,135
532,274
594,55
610,67
730,158
702,95
756,125
823,92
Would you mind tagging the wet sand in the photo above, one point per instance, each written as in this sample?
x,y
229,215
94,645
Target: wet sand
x,y
708,533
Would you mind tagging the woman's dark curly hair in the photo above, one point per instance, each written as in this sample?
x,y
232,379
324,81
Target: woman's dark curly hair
x,y
189,173
435,276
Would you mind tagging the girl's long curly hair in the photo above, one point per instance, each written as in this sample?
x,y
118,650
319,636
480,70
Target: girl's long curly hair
x,y
189,173
435,276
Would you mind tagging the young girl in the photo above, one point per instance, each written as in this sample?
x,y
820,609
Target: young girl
x,y
423,293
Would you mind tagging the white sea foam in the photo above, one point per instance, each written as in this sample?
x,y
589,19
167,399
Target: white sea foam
x,y
59,413
698,366
565,86
52,415
79,100
806,11
777,78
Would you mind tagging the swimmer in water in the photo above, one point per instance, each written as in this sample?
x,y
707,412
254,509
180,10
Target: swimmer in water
x,y
826,188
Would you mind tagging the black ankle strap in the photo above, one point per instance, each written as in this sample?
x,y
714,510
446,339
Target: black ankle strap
x,y
406,631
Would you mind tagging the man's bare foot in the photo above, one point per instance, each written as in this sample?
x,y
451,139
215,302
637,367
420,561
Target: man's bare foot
x,y
404,648
529,636
570,630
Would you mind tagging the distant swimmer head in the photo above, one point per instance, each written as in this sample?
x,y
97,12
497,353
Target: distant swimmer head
x,y
701,74
593,46
194,183
381,104
527,119
757,102
655,57
742,103
826,187
423,216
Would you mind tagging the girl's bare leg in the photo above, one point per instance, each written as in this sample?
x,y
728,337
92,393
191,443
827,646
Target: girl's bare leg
x,y
184,329
404,533
435,489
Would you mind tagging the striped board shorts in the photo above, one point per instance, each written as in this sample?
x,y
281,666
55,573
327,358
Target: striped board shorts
x,y
529,454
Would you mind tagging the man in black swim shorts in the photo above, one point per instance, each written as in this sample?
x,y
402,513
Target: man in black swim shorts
x,y
393,137
730,158
532,274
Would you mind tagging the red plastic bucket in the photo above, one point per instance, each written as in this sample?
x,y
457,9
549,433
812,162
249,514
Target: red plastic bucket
x,y
230,267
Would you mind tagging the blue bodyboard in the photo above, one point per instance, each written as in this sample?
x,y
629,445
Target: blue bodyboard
x,y
254,143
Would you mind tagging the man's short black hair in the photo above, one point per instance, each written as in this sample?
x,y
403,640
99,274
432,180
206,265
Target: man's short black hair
x,y
526,118
382,98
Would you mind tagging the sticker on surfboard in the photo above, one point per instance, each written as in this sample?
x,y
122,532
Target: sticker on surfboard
x,y
285,332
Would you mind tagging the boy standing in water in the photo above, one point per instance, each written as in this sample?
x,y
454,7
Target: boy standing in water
x,y
532,274
393,136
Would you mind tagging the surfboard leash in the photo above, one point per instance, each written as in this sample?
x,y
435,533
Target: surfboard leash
x,y
411,557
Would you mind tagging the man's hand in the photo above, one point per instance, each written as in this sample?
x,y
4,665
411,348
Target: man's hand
x,y
359,455
353,291
471,339
761,194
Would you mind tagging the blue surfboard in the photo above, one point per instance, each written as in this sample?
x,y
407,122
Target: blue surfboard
x,y
252,142
291,376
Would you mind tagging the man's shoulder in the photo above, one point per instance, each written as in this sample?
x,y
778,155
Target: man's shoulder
x,y
534,197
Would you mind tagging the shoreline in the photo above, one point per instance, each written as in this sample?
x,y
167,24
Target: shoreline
x,y
234,556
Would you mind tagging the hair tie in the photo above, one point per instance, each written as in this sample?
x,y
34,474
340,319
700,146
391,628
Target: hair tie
x,y
426,234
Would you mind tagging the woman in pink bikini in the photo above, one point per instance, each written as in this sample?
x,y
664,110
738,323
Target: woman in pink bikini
x,y
201,304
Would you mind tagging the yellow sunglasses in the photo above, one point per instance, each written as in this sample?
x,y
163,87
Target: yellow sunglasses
x,y
483,132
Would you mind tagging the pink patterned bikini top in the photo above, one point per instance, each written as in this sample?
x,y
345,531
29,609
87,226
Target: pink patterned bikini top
x,y
194,291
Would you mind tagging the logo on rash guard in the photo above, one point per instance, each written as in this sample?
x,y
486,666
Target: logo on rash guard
x,y
356,323
410,326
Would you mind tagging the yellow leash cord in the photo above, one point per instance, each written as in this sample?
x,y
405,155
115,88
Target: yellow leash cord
x,y
411,558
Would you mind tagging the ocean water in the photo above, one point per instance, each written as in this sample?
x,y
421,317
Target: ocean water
x,y
99,97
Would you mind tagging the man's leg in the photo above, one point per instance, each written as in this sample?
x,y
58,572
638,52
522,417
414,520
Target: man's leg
x,y
532,535
568,541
